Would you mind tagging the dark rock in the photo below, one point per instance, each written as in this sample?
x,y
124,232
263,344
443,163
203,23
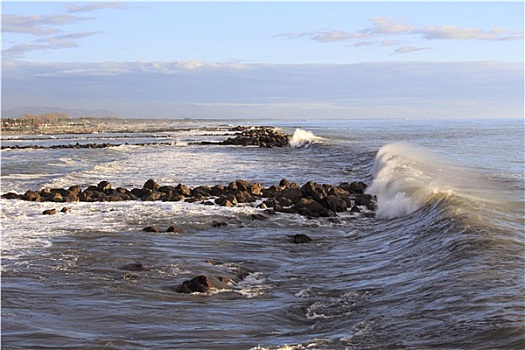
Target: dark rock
x,y
294,195
150,229
259,217
284,183
173,229
199,284
137,266
72,197
11,195
301,238
76,189
219,223
201,191
336,204
65,210
49,212
152,195
104,186
366,200
183,190
151,185
31,196
312,208
356,187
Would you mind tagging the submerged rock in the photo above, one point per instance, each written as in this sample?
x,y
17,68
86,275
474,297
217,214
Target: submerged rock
x,y
199,284
301,238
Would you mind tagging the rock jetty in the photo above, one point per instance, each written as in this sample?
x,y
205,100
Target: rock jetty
x,y
262,136
310,199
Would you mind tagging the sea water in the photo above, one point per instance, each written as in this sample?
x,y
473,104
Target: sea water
x,y
441,265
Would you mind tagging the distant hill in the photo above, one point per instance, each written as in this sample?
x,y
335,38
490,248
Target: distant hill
x,y
37,110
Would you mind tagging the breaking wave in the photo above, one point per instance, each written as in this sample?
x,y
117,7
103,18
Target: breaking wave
x,y
304,138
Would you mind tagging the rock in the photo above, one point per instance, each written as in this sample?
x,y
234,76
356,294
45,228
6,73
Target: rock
x,y
173,229
294,195
312,208
65,210
152,195
201,191
11,195
366,200
151,185
259,217
150,229
76,189
356,187
103,186
137,266
219,223
72,197
199,284
336,204
301,238
31,196
49,212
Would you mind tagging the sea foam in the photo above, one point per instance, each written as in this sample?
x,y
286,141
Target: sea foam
x,y
303,138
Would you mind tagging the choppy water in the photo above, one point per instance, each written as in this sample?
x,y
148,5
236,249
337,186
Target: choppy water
x,y
440,266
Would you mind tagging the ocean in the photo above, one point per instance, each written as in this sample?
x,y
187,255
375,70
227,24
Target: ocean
x,y
439,265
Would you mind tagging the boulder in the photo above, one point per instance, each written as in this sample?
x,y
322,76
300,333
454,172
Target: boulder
x,y
150,229
301,238
49,212
199,284
151,185
31,196
173,229
336,204
104,186
366,200
312,208
136,266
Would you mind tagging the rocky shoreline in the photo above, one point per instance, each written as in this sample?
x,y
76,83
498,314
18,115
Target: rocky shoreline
x,y
261,136
310,199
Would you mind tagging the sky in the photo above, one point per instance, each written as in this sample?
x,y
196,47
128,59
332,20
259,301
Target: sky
x,y
266,60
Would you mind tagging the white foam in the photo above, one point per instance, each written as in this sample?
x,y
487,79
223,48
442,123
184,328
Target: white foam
x,y
303,138
406,176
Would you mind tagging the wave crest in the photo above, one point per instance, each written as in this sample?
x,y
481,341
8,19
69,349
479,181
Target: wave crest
x,y
304,138
406,177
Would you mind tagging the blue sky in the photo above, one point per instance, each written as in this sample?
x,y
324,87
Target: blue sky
x,y
266,60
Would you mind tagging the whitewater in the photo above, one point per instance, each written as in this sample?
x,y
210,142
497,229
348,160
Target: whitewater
x,y
439,264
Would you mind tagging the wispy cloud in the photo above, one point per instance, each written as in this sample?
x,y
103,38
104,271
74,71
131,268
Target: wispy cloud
x,y
37,25
72,8
449,32
382,27
409,49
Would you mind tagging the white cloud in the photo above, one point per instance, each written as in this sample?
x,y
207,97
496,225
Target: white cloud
x,y
384,27
450,32
409,49
72,8
37,25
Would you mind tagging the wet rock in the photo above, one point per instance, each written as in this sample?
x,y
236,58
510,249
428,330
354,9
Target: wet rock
x,y
173,229
136,266
259,217
152,195
336,204
11,195
49,212
65,210
312,208
31,196
219,223
366,200
103,186
76,189
356,187
151,185
199,284
301,238
201,192
150,229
